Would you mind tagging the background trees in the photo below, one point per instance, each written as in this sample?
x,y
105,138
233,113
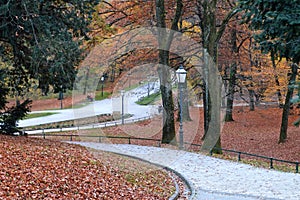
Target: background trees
x,y
41,44
243,69
165,15
278,32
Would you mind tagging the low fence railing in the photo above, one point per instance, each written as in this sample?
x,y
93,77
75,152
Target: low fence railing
x,y
100,137
240,153
158,141
270,159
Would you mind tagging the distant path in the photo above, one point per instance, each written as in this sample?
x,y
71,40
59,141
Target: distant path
x,y
105,106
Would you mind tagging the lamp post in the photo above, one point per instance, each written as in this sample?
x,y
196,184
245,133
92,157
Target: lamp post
x,y
181,75
148,86
61,96
102,82
122,113
129,79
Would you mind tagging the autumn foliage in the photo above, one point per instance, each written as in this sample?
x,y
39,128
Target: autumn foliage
x,y
42,169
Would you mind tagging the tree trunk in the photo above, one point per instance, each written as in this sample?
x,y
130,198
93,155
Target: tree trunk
x,y
86,81
251,99
206,120
230,96
185,103
232,76
17,101
286,107
212,141
279,95
165,38
250,86
168,136
113,72
210,39
229,108
210,36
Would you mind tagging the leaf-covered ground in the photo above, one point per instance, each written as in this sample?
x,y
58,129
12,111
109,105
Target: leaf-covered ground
x,y
258,132
254,132
52,170
43,169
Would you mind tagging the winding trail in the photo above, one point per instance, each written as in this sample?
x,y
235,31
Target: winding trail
x,y
212,178
106,106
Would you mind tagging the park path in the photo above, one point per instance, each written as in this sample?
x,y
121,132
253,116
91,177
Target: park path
x,y
106,106
212,178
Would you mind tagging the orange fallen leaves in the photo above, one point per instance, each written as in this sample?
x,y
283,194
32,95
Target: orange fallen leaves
x,y
42,169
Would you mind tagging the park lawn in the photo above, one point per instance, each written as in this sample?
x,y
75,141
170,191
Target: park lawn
x,y
36,115
99,96
149,99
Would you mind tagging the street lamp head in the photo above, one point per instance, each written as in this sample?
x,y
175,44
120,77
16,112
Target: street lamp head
x,y
122,92
181,74
102,78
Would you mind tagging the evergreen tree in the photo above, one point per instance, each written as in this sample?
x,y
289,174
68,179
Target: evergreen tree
x,y
41,40
278,26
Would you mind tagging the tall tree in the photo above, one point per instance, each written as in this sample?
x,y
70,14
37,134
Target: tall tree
x,y
232,71
229,50
211,35
165,38
41,39
167,18
278,32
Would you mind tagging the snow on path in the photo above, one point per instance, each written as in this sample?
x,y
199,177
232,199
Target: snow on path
x,y
214,178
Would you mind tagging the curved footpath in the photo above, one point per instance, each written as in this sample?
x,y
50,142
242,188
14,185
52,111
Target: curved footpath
x,y
99,107
212,178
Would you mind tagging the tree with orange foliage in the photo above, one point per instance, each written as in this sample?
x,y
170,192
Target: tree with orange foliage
x,y
277,22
